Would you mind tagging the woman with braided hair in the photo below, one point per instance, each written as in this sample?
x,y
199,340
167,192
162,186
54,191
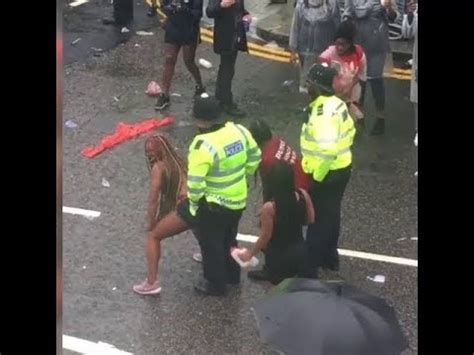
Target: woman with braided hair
x,y
167,189
167,178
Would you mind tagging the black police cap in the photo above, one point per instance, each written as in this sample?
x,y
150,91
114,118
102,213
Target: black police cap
x,y
206,108
322,76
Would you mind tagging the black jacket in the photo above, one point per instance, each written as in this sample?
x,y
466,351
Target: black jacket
x,y
182,25
229,34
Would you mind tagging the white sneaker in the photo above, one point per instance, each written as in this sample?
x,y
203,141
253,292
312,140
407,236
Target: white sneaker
x,y
197,257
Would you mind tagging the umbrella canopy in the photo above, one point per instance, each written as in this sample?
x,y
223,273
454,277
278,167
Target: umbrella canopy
x,y
309,317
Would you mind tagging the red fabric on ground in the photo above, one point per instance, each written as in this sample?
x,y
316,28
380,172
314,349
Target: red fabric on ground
x,y
125,132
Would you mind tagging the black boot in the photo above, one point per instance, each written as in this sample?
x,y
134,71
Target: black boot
x,y
233,111
199,90
151,12
206,288
162,102
379,127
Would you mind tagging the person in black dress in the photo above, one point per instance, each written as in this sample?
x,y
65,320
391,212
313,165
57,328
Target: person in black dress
x,y
281,229
181,32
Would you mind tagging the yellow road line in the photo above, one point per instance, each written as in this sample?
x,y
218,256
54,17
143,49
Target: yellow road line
x,y
254,46
402,71
397,76
208,39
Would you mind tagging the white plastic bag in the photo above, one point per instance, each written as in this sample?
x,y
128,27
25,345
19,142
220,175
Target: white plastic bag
x,y
235,254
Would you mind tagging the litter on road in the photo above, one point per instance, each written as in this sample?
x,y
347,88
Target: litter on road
x,y
125,30
377,278
414,238
84,267
114,288
144,33
288,82
70,124
75,41
176,94
153,89
204,63
116,98
136,45
400,239
105,183
97,49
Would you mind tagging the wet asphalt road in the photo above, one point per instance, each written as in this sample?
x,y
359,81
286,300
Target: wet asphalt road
x,y
104,257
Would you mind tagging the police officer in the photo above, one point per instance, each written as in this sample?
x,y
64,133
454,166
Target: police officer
x,y
220,158
326,140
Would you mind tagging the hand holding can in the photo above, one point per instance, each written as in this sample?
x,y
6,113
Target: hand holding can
x,y
246,21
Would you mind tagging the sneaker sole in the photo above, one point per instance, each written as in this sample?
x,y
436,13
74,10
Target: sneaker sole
x,y
159,108
151,292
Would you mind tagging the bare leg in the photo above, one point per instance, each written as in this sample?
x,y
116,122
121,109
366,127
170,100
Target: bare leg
x,y
169,226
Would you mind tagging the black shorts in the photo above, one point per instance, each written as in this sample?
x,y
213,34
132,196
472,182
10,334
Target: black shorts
x,y
179,37
182,209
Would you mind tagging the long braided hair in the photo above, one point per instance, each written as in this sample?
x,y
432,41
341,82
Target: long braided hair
x,y
159,149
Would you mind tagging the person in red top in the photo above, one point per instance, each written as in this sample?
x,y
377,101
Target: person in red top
x,y
273,150
351,65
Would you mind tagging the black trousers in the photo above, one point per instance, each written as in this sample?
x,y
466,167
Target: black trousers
x,y
378,92
322,237
217,234
224,78
123,12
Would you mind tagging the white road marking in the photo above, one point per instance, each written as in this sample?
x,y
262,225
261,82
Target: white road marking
x,y
79,211
378,257
350,253
78,2
88,347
